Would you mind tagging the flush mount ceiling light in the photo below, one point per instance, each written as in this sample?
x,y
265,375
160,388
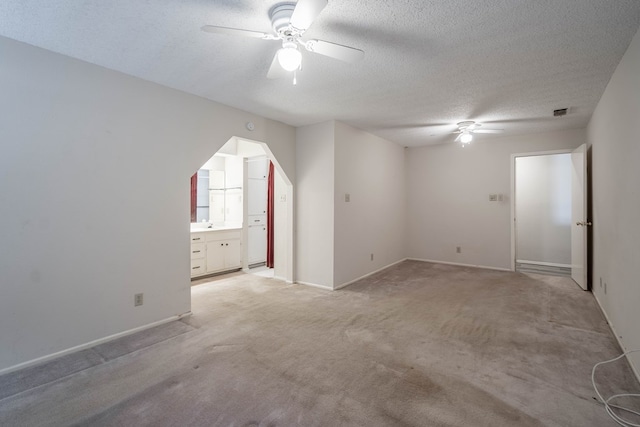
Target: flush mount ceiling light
x,y
289,56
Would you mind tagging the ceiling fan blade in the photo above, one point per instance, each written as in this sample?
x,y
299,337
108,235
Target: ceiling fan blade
x,y
276,71
305,12
458,138
488,131
238,32
333,50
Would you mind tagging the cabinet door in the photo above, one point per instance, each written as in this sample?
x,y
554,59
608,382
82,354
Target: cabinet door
x,y
257,168
257,241
215,256
233,205
257,197
232,254
234,167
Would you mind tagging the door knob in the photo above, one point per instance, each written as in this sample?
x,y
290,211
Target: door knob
x,y
584,223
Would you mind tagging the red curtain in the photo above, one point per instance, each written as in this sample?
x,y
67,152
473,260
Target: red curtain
x,y
270,194
194,196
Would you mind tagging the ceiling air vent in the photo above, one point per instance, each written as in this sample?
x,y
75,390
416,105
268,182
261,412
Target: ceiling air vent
x,y
560,112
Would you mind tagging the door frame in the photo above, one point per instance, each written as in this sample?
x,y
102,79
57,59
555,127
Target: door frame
x,y
513,193
287,272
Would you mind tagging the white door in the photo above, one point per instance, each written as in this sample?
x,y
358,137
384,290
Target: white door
x,y
232,257
579,221
257,244
257,197
257,168
215,256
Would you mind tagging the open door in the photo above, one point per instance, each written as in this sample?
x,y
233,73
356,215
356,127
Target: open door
x,y
579,221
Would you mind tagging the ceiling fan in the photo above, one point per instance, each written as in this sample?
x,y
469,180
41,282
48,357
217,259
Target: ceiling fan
x,y
289,22
467,128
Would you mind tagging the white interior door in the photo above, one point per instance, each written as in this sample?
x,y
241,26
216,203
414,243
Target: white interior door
x,y
579,221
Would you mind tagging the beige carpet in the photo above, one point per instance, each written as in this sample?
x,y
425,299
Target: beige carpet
x,y
418,344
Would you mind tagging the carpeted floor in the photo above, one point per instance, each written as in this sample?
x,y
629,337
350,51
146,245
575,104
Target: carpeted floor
x,y
418,344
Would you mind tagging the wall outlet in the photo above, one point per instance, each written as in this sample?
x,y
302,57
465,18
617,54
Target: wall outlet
x,y
371,257
493,197
458,250
138,299
347,197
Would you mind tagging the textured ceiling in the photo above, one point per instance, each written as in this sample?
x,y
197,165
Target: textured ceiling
x,y
428,64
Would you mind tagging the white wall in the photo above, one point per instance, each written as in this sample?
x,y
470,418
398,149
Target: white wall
x,y
615,149
371,171
314,204
448,191
543,208
70,263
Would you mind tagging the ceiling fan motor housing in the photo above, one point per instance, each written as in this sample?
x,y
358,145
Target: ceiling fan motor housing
x,y
281,18
467,126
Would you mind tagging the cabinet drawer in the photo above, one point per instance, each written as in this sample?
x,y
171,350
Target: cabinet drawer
x,y
198,267
198,237
197,250
256,220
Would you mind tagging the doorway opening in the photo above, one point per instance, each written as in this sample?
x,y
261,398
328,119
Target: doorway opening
x,y
242,213
542,213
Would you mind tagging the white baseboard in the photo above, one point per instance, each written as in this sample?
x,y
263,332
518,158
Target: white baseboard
x,y
314,285
620,343
546,264
486,267
367,275
284,279
90,344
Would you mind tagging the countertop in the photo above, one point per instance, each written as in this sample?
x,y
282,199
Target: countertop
x,y
216,228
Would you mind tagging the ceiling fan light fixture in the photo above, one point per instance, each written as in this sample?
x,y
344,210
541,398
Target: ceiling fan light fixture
x,y
466,138
289,57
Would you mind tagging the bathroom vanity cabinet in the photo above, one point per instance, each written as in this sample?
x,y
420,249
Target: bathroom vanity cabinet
x,y
215,251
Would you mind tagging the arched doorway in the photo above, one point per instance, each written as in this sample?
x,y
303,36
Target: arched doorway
x,y
222,226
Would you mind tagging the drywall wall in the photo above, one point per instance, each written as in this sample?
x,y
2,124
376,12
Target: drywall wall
x,y
543,209
615,151
371,171
448,190
94,183
314,204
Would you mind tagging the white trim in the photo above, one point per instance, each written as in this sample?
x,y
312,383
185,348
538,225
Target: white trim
x,y
547,264
513,193
90,344
513,212
367,275
485,267
284,279
635,370
314,285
